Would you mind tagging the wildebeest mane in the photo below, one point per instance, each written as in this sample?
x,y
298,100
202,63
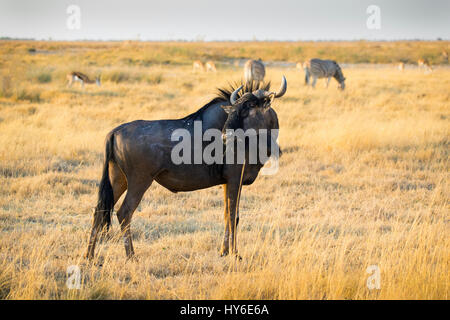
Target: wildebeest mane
x,y
250,86
224,94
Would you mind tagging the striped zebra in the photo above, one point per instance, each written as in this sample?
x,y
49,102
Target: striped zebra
x,y
317,68
254,70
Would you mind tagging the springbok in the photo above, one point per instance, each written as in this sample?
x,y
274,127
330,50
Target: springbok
x,y
210,66
254,71
445,56
424,63
140,152
81,78
401,66
299,66
198,66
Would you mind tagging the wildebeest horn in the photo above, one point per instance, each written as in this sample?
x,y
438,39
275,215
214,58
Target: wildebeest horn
x,y
234,95
283,88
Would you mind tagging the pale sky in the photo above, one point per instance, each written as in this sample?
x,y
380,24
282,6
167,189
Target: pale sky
x,y
225,20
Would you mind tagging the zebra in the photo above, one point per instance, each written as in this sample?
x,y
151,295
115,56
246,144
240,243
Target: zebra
x,y
317,68
254,71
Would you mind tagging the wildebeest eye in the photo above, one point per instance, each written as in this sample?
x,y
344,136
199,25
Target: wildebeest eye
x,y
252,104
244,112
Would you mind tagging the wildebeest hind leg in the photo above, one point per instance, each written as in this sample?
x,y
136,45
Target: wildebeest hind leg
x,y
118,181
125,213
119,185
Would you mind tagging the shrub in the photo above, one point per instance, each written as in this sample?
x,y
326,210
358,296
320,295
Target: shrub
x,y
44,77
119,76
6,87
25,95
155,78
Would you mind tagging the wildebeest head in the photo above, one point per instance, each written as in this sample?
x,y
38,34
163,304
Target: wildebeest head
x,y
252,110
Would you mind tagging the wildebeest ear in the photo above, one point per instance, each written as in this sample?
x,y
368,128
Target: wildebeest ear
x,y
227,109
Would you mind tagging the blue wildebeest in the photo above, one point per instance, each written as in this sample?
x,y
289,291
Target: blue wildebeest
x,y
139,152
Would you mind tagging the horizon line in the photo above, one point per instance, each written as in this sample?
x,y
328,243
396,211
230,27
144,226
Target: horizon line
x,y
49,39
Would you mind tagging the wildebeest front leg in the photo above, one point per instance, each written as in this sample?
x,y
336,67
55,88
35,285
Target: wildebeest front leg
x,y
233,195
226,237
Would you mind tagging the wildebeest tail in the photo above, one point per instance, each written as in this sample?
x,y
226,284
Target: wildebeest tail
x,y
105,204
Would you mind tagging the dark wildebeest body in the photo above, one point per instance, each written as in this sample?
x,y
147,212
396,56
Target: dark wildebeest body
x,y
139,152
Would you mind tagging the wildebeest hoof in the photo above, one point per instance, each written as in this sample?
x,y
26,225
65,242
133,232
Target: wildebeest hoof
x,y
132,258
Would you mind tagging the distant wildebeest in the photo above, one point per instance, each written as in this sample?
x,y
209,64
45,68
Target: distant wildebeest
x,y
425,64
317,68
82,78
198,66
139,152
210,66
254,71
401,66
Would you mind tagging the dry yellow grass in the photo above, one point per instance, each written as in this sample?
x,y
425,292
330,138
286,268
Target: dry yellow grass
x,y
363,180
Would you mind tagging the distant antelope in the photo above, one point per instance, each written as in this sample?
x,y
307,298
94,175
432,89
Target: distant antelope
x,y
198,66
210,66
82,78
299,65
445,56
424,63
254,70
401,66
317,68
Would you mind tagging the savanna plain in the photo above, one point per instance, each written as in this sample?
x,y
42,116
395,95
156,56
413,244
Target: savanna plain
x,y
363,179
